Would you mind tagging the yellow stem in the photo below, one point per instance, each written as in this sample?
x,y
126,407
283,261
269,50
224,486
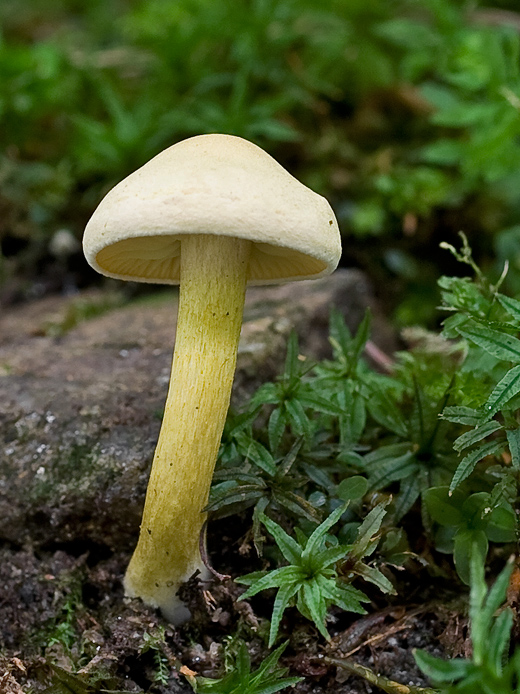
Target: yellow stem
x,y
212,289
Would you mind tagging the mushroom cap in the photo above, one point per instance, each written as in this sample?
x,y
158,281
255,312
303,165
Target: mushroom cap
x,y
212,184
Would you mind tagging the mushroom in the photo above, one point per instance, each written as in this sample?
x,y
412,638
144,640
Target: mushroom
x,y
211,213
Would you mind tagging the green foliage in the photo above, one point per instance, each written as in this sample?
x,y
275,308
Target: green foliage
x,y
269,484
65,682
154,642
490,670
268,679
268,458
319,571
420,458
468,521
427,121
63,630
438,436
487,320
81,309
291,398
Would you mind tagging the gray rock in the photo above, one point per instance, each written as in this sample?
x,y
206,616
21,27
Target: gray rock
x,y
80,413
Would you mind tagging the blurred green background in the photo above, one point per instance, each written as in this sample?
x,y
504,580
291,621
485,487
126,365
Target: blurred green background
x,y
405,114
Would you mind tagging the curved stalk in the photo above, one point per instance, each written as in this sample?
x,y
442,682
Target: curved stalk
x,y
212,290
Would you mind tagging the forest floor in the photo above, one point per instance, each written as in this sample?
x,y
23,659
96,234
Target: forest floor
x,y
79,404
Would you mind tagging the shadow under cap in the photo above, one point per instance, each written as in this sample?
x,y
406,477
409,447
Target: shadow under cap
x,y
159,262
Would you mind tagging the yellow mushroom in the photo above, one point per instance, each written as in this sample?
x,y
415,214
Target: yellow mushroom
x,y
212,214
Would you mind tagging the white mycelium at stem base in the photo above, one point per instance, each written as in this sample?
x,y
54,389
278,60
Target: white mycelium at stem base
x,y
213,282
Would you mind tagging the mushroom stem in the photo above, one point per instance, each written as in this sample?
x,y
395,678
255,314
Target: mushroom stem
x,y
212,289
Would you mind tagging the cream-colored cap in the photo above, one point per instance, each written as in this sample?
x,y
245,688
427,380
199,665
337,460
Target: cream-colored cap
x,y
212,184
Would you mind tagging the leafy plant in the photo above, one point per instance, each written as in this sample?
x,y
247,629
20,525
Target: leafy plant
x,y
154,642
490,670
63,629
348,383
427,122
307,409
291,398
65,682
268,484
488,383
421,458
319,571
468,521
268,679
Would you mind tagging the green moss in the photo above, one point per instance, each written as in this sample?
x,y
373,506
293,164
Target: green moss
x,y
81,309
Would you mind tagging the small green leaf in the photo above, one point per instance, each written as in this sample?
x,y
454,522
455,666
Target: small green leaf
x,y
300,423
443,508
469,462
500,345
512,306
360,339
507,388
316,605
267,394
259,580
296,504
329,557
286,592
292,363
439,670
344,595
374,575
276,428
497,594
462,415
230,503
484,603
501,525
465,540
256,453
385,411
315,402
340,335
409,492
353,416
498,641
368,530
513,439
352,488
318,535
290,549
475,435
389,464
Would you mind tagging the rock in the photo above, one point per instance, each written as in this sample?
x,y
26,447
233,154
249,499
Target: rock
x,y
80,413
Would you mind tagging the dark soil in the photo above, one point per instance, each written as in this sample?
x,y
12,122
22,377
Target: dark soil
x,y
62,613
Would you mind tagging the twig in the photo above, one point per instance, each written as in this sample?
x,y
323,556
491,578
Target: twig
x,y
403,623
379,357
204,554
383,683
